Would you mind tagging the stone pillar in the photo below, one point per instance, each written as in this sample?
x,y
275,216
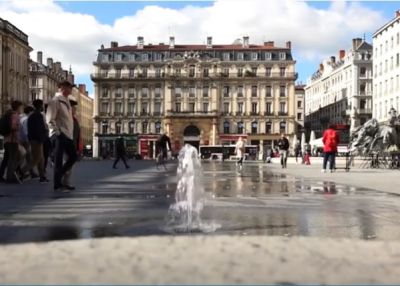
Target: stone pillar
x,y
214,132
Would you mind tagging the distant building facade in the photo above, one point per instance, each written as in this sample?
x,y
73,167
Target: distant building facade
x,y
299,109
14,69
340,92
199,94
386,62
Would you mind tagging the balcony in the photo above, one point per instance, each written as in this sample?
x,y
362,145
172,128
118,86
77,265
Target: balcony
x,y
268,113
239,113
254,113
118,113
282,113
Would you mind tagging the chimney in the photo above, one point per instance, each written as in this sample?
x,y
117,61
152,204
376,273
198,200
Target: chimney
x,y
288,44
269,44
114,44
342,54
82,88
40,57
245,41
57,66
50,63
171,42
209,42
397,13
333,59
356,43
140,42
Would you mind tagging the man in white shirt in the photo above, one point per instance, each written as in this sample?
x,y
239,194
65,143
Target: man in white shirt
x,y
61,125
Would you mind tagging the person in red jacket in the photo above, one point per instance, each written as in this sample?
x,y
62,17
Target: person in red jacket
x,y
331,141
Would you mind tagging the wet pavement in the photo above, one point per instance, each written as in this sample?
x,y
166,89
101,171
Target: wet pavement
x,y
135,202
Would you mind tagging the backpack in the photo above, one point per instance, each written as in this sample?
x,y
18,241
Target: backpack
x,y
5,124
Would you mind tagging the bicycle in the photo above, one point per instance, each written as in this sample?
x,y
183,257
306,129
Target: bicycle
x,y
160,160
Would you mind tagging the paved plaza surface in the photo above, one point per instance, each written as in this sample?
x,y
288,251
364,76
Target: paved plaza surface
x,y
262,199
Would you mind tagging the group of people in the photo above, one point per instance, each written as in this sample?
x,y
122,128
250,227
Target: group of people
x,y
32,135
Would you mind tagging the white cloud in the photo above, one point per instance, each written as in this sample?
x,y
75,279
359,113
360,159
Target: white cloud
x,y
74,38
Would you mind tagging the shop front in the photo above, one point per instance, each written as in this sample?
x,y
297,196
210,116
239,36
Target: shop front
x,y
107,145
231,139
147,146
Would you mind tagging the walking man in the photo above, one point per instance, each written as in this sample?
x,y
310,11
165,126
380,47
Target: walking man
x,y
120,152
283,145
163,144
331,141
37,135
240,152
61,126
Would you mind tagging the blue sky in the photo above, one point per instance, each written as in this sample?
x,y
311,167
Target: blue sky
x,y
317,29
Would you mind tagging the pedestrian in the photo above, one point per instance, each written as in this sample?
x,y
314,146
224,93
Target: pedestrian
x,y
163,144
120,152
240,152
331,141
37,135
25,144
283,144
47,148
9,128
61,126
76,140
297,151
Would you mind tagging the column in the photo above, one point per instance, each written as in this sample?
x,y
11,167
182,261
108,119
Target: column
x,y
214,132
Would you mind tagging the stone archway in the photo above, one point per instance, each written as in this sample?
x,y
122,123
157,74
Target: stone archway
x,y
191,135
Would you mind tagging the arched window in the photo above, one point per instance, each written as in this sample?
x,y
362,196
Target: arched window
x,y
226,127
131,127
158,127
104,127
268,128
118,127
254,127
282,127
240,127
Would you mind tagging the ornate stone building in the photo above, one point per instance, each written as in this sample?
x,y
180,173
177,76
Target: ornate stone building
x,y
201,94
44,78
14,69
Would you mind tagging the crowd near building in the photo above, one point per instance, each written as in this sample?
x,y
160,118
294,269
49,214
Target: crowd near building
x,y
386,60
340,91
202,94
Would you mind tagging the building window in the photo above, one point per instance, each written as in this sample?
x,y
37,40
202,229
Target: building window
x,y
119,57
158,127
282,108
118,127
132,57
254,127
268,72
205,107
225,72
299,104
282,56
192,91
240,72
254,56
298,116
240,91
131,92
157,108
268,108
191,71
206,72
144,127
158,57
34,81
397,59
240,127
145,91
268,91
282,72
131,127
226,127
226,107
268,56
33,96
268,128
145,57
226,91
282,91
362,89
254,71
118,108
240,57
363,103
254,108
104,108
226,56
144,72
105,58
144,108
254,91
131,108
282,127
104,127
178,92
192,107
363,71
205,91
131,73
118,92
157,91
158,72
177,107
240,107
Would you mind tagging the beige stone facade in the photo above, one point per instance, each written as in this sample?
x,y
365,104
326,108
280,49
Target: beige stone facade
x,y
202,94
85,115
14,69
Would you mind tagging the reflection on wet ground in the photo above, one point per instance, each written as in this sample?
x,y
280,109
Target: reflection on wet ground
x,y
254,201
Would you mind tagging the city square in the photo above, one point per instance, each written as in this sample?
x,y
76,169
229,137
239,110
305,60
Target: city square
x,y
199,142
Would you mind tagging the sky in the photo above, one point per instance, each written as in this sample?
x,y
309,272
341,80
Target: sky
x,y
72,31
